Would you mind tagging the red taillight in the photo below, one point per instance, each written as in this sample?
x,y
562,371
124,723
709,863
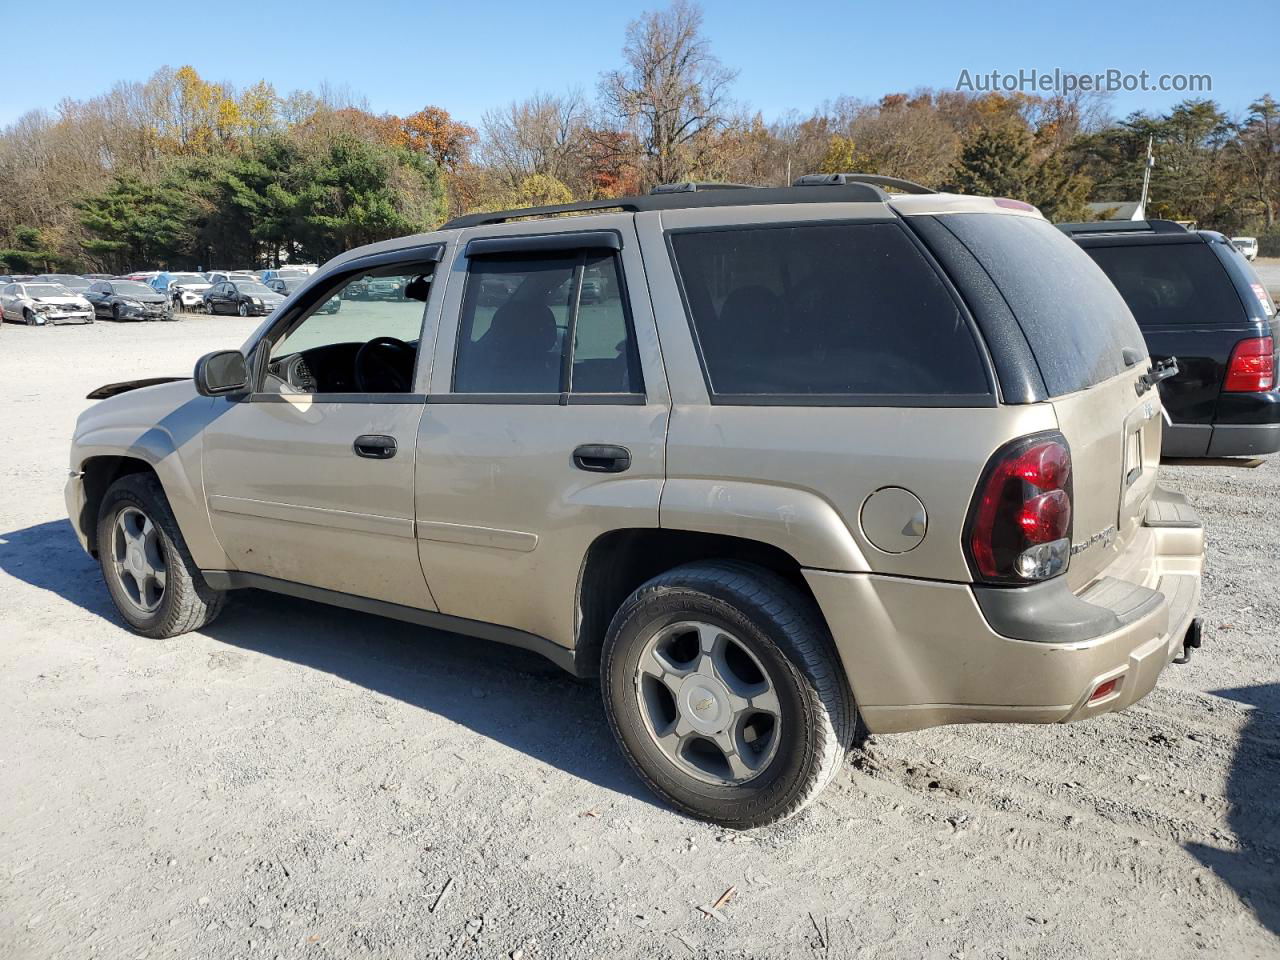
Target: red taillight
x,y
1020,526
1252,366
1046,517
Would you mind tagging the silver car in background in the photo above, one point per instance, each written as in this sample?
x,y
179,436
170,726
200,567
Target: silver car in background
x,y
37,304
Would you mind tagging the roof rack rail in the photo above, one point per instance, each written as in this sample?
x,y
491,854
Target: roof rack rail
x,y
1120,226
875,179
694,186
852,192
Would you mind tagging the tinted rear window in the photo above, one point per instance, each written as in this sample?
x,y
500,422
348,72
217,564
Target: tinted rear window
x,y
1074,320
830,309
1182,284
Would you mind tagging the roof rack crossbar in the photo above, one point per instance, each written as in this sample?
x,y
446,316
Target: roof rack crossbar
x,y
854,192
875,179
694,186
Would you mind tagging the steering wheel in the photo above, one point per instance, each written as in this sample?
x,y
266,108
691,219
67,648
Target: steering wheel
x,y
384,365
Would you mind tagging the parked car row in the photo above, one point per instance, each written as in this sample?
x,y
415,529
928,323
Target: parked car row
x,y
61,298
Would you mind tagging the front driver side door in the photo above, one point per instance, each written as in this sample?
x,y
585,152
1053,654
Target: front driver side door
x,y
309,479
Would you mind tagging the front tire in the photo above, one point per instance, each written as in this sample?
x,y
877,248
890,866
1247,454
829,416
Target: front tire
x,y
150,575
29,319
243,310
723,689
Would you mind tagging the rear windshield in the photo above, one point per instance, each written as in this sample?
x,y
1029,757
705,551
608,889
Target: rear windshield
x,y
1179,284
1075,322
829,309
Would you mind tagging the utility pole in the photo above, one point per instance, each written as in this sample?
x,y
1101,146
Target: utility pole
x,y
1141,212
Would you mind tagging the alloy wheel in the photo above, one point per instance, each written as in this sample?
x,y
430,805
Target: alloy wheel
x,y
138,559
708,703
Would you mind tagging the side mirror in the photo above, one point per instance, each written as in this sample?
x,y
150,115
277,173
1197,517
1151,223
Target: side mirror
x,y
221,372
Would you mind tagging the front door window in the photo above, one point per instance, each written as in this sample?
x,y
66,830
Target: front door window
x,y
361,338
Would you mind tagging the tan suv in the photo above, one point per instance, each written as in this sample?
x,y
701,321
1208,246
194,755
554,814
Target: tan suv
x,y
780,465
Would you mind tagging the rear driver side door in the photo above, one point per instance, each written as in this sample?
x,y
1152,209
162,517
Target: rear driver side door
x,y
547,429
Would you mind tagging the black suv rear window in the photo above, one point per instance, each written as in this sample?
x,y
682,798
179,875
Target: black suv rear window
x,y
833,310
1075,322
1171,283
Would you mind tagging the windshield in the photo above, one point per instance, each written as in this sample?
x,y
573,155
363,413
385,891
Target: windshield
x,y
255,288
130,288
47,290
186,278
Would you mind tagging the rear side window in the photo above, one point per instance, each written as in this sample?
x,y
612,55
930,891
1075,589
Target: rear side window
x,y
837,310
519,314
1179,284
1075,322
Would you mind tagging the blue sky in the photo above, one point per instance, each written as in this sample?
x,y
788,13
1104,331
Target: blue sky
x,y
469,57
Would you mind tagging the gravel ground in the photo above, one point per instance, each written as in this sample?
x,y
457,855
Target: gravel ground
x,y
299,781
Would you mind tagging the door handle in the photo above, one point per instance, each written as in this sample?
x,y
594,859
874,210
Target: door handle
x,y
602,458
375,446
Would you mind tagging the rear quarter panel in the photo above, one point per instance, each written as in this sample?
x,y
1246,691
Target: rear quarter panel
x,y
797,476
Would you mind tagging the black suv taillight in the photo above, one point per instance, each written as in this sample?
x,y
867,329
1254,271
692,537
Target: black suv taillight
x,y
1019,528
1252,367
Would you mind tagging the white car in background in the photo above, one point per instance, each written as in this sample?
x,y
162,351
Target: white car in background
x,y
37,304
185,290
1247,245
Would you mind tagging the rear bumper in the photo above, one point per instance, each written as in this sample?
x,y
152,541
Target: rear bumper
x,y
923,653
1244,425
1244,439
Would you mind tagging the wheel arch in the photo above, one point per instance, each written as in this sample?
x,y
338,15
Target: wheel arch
x,y
98,474
618,562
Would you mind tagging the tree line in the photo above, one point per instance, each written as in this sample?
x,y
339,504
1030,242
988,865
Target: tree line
x,y
180,172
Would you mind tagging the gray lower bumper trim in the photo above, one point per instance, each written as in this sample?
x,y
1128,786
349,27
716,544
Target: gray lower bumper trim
x,y
1244,439
1050,613
1186,440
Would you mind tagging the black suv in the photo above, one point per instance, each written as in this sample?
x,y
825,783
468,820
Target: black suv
x,y
1196,298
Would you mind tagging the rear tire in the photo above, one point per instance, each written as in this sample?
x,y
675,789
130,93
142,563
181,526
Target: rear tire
x,y
150,575
757,742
